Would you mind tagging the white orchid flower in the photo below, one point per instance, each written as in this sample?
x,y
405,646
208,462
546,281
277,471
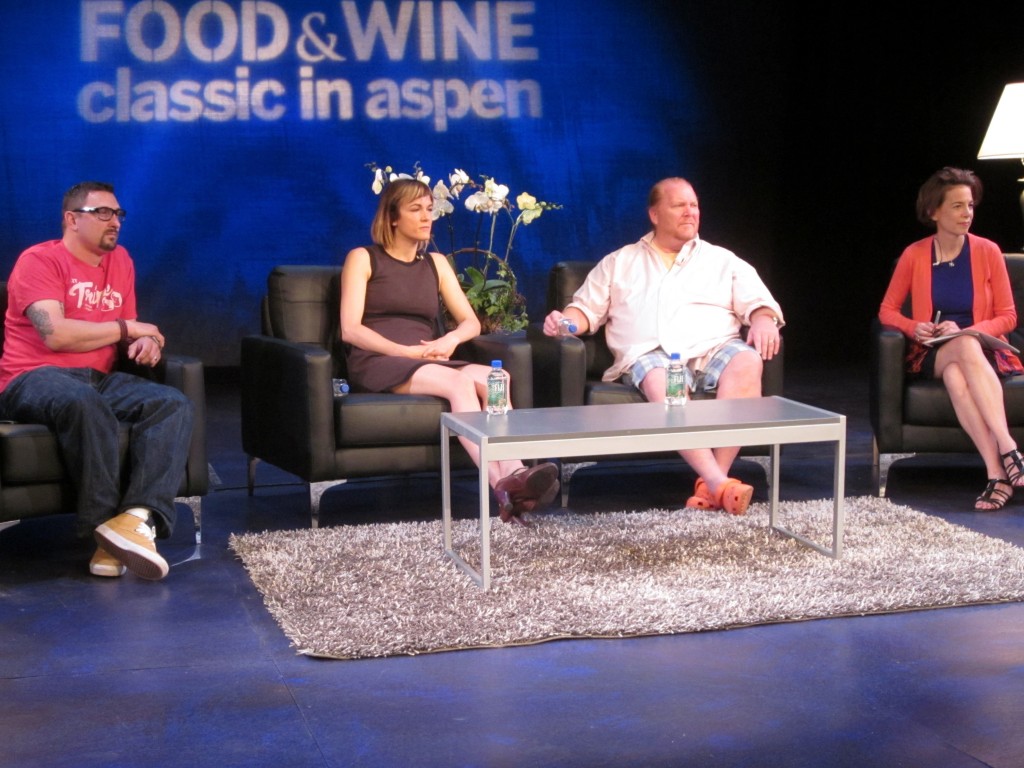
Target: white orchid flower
x,y
378,181
442,201
490,199
479,202
441,208
458,179
497,192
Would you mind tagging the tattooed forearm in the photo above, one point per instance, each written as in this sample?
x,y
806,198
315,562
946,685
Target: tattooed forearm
x,y
41,320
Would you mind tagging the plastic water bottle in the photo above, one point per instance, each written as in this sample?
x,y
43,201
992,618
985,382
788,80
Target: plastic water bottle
x,y
497,389
675,382
340,387
566,327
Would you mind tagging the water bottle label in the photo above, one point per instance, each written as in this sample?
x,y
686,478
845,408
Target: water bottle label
x,y
675,386
497,395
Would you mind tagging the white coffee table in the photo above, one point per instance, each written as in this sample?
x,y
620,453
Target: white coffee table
x,y
594,430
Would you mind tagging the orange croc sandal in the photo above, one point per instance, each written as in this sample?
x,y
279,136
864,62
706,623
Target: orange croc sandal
x,y
734,496
702,498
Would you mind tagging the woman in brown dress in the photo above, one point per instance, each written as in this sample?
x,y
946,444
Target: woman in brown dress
x,y
389,325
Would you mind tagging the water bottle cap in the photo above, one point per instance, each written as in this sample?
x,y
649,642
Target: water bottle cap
x,y
495,363
572,327
675,356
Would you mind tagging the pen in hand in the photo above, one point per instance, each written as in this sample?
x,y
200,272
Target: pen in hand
x,y
935,324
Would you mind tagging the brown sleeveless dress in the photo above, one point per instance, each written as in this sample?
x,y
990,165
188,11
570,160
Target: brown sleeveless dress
x,y
402,305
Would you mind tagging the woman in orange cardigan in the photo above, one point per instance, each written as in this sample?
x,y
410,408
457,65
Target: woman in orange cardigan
x,y
956,281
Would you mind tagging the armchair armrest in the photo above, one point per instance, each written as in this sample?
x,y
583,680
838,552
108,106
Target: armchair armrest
x,y
288,406
559,368
772,375
515,356
886,384
772,378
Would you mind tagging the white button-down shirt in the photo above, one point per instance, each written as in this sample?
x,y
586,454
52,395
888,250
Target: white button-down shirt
x,y
694,307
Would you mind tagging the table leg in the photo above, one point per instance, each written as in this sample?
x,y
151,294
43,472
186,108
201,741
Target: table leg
x,y
446,488
481,577
838,490
485,523
838,494
773,491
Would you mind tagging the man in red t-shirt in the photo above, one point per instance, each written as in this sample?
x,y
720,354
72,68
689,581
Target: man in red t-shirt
x,y
71,313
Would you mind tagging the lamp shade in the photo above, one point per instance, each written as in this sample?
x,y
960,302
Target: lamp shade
x,y
1005,136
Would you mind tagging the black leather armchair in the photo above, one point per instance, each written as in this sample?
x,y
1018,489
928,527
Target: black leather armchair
x,y
909,417
33,482
291,419
568,370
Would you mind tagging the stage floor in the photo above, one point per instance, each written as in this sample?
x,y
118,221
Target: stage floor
x,y
193,671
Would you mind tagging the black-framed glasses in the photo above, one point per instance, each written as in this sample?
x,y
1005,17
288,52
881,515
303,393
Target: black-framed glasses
x,y
103,213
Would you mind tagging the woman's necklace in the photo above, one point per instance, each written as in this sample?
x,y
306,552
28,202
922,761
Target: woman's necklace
x,y
940,257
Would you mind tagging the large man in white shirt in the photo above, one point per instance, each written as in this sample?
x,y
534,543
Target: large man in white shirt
x,y
673,292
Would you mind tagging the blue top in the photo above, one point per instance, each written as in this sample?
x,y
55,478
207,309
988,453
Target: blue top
x,y
953,289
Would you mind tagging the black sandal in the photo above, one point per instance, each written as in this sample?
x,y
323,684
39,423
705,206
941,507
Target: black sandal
x,y
1013,463
994,495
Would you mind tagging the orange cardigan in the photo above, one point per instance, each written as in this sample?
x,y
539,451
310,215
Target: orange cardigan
x,y
994,311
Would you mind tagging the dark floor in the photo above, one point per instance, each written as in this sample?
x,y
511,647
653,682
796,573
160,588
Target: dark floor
x,y
192,671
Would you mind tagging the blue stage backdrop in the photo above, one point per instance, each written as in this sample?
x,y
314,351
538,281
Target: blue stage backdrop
x,y
237,133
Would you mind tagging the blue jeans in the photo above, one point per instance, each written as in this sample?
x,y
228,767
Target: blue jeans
x,y
85,409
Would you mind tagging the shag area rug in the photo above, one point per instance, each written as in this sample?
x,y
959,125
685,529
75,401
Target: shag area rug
x,y
388,589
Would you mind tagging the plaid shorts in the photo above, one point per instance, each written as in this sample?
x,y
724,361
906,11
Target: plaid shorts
x,y
705,380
